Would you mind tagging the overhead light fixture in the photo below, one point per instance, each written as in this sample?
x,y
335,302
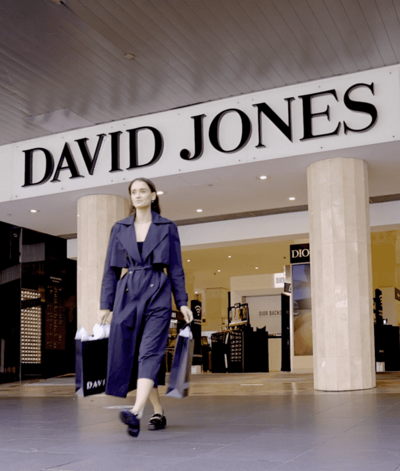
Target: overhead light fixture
x,y
161,192
229,256
219,271
188,260
199,210
129,56
291,198
34,211
262,177
256,268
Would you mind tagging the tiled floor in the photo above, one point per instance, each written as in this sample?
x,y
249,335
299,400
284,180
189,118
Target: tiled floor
x,y
229,422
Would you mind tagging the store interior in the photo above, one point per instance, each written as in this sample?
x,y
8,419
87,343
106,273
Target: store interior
x,y
240,326
222,277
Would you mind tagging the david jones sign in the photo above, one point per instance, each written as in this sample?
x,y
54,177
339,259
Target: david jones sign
x,y
72,163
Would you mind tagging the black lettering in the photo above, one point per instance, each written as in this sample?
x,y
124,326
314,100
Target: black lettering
x,y
214,130
115,150
360,107
133,147
29,166
308,115
286,129
66,156
198,140
89,160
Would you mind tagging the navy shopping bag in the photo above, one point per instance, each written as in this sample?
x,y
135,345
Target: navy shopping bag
x,y
181,365
91,366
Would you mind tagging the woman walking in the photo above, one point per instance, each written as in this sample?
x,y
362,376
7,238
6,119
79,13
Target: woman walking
x,y
148,246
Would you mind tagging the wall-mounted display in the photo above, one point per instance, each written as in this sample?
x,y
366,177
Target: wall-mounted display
x,y
31,327
302,321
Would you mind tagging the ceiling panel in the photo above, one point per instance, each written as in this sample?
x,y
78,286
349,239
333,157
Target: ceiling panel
x,y
71,55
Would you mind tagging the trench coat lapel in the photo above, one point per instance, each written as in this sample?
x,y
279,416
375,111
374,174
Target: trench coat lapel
x,y
157,232
127,237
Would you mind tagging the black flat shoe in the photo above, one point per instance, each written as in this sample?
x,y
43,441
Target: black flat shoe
x,y
132,421
133,431
157,422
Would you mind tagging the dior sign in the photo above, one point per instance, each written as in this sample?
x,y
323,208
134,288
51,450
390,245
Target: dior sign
x,y
300,253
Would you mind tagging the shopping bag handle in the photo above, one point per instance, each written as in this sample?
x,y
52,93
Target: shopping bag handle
x,y
187,324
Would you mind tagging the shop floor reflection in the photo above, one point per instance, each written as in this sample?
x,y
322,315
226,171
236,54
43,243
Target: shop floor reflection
x,y
229,422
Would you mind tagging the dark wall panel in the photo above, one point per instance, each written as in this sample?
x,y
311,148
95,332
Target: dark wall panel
x,y
38,320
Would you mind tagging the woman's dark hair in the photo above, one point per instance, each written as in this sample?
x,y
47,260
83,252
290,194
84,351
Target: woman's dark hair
x,y
155,205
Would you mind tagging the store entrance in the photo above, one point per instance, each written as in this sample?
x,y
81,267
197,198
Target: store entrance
x,y
245,320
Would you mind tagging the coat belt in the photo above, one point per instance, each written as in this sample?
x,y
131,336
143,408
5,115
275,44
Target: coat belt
x,y
139,267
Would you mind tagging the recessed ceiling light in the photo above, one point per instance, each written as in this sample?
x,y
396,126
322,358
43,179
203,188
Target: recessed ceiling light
x,y
161,192
219,271
199,210
129,56
34,211
256,268
262,177
292,198
188,260
229,256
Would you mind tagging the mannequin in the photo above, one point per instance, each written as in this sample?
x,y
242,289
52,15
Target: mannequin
x,y
144,198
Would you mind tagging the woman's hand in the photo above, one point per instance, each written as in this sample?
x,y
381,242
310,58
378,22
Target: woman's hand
x,y
187,314
103,316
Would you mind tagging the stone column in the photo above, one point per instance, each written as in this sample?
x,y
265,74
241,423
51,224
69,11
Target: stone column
x,y
96,216
216,303
341,275
189,279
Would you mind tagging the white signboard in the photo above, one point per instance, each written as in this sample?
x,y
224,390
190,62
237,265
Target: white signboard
x,y
310,118
279,280
265,311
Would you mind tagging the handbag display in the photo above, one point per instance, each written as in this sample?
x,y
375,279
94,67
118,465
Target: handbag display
x,y
181,365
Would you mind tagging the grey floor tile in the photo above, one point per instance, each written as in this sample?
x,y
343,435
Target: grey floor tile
x,y
379,441
314,432
269,447
37,461
326,466
335,455
206,463
326,426
126,462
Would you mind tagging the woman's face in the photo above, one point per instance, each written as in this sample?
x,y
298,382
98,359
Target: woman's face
x,y
141,195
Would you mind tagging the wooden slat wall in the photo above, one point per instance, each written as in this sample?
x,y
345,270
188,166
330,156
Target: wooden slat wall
x,y
186,51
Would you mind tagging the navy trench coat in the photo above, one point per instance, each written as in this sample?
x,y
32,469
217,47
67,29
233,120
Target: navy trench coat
x,y
140,300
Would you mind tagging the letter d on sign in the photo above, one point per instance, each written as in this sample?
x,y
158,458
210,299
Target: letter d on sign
x,y
49,166
300,253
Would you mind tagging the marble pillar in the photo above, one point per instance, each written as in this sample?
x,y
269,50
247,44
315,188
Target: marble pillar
x,y
189,281
341,275
216,304
96,216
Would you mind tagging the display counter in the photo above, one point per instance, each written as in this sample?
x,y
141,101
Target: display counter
x,y
275,353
